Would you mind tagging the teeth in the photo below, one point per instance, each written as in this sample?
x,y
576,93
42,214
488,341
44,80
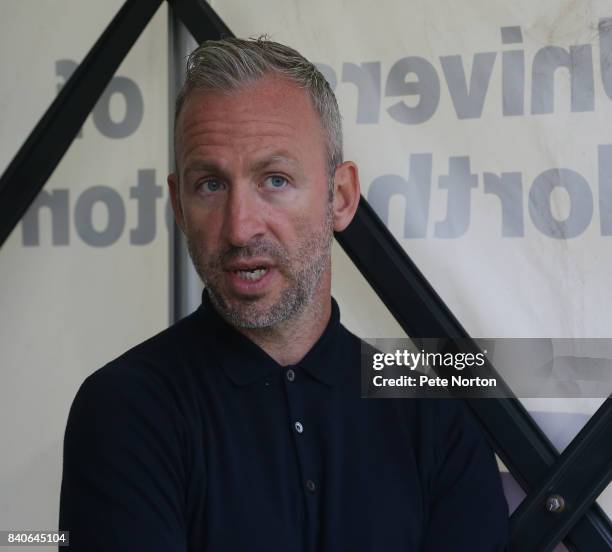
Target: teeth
x,y
252,275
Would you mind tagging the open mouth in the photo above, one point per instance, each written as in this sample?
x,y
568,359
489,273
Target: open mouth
x,y
252,274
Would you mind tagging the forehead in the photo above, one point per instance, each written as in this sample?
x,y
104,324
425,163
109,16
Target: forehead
x,y
271,109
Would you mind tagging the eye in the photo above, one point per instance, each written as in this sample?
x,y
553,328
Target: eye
x,y
276,181
210,185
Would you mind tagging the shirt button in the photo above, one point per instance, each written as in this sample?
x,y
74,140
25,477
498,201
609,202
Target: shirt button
x,y
310,485
290,374
299,427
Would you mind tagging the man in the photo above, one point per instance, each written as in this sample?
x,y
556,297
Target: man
x,y
241,428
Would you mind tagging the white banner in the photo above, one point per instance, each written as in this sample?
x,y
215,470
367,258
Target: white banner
x,y
85,274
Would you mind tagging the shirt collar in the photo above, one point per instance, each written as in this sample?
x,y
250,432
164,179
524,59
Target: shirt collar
x,y
244,362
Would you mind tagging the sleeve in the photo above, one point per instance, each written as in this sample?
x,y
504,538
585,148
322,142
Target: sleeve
x,y
467,509
123,476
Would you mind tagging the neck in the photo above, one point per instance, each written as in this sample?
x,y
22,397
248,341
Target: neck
x,y
289,341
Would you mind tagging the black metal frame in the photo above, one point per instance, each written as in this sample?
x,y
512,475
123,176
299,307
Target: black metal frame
x,y
579,474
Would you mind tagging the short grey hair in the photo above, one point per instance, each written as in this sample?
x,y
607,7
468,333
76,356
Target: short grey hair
x,y
231,63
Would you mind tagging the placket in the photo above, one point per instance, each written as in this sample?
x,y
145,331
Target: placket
x,y
307,452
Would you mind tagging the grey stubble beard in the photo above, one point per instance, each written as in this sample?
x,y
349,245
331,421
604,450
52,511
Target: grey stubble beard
x,y
312,258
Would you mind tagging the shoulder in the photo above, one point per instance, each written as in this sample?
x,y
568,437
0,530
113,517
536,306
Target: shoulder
x,y
138,409
174,344
129,445
151,379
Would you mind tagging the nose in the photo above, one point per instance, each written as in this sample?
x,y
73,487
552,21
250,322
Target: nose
x,y
243,219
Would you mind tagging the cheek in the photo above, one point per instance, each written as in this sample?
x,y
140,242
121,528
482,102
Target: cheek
x,y
291,226
305,224
303,230
315,216
201,233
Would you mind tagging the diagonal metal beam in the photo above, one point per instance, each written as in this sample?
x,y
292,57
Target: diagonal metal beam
x,y
48,142
580,474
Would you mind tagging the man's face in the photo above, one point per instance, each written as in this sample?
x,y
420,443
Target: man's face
x,y
253,199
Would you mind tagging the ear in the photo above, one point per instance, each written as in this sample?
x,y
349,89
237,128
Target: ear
x,y
175,198
347,192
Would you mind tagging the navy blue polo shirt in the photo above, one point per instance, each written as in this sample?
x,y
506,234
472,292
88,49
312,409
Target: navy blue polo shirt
x,y
197,440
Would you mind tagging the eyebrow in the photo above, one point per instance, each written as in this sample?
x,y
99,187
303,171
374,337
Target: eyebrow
x,y
262,164
276,158
203,166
